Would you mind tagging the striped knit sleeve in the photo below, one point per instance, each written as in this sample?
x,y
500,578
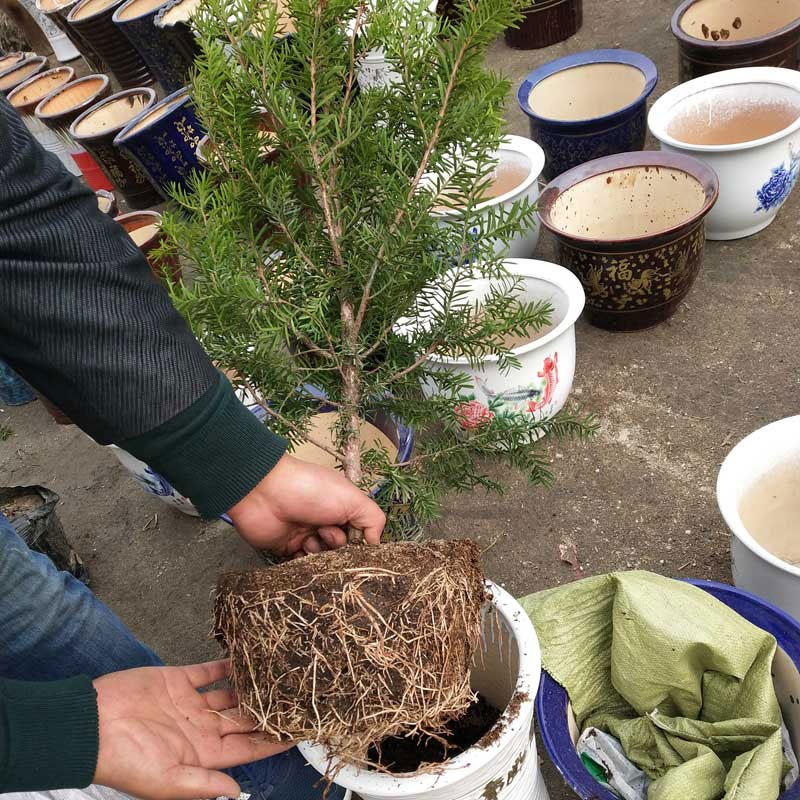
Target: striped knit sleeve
x,y
83,321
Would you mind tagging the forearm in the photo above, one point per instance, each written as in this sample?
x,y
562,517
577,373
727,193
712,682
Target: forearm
x,y
83,320
48,734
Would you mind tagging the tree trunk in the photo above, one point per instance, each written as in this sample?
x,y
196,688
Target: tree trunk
x,y
351,400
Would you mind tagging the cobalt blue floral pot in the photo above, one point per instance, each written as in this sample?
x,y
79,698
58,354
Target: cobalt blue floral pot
x,y
163,141
170,64
588,105
745,125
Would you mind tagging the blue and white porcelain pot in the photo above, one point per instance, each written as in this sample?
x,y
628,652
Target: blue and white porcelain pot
x,y
170,64
163,141
588,105
745,125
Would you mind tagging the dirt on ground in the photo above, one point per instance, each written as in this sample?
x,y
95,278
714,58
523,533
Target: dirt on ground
x,y
671,402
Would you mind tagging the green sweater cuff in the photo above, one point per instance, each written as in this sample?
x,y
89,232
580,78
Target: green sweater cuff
x,y
214,452
48,734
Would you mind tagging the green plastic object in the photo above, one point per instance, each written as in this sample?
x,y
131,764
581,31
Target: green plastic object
x,y
680,679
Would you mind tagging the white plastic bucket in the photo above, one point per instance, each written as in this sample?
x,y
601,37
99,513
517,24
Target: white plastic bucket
x,y
755,569
51,141
507,667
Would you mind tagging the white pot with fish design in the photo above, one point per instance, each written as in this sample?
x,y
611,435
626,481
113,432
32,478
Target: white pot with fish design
x,y
542,383
745,125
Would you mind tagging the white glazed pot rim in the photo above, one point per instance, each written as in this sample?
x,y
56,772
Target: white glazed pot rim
x,y
474,758
727,498
546,271
516,144
661,111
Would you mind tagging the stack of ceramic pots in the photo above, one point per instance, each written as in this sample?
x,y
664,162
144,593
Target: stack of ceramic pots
x,y
166,54
95,130
26,97
163,141
92,19
57,12
62,106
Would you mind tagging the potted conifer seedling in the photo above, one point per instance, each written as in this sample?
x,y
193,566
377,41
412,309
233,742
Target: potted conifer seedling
x,y
313,244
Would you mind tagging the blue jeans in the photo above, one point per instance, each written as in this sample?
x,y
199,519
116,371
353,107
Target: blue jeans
x,y
53,627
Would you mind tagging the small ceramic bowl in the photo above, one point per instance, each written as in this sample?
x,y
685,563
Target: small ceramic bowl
x,y
106,202
754,567
27,95
725,34
144,227
630,226
542,383
588,105
524,158
745,124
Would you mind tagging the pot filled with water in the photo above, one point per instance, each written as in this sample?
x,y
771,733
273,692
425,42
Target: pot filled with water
x,y
745,125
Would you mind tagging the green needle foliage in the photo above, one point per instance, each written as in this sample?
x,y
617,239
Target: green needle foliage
x,y
316,252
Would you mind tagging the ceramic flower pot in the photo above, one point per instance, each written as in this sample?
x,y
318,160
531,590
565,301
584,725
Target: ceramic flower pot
x,y
174,20
20,71
631,227
92,19
26,97
10,59
170,64
755,568
57,13
95,130
59,108
29,93
546,23
163,141
144,227
560,731
506,671
541,384
714,35
588,105
745,124
520,163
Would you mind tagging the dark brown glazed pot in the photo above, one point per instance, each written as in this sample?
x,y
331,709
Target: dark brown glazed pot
x,y
141,219
10,59
93,21
546,23
14,75
29,93
631,227
95,130
68,102
57,13
714,35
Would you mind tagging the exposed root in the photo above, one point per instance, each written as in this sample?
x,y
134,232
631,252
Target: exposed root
x,y
349,647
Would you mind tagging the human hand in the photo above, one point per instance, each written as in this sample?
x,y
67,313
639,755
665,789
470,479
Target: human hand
x,y
301,507
161,739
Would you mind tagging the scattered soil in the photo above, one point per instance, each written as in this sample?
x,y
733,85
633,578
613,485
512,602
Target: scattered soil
x,y
21,504
409,753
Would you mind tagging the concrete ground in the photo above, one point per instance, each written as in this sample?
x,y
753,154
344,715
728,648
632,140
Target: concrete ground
x,y
672,401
